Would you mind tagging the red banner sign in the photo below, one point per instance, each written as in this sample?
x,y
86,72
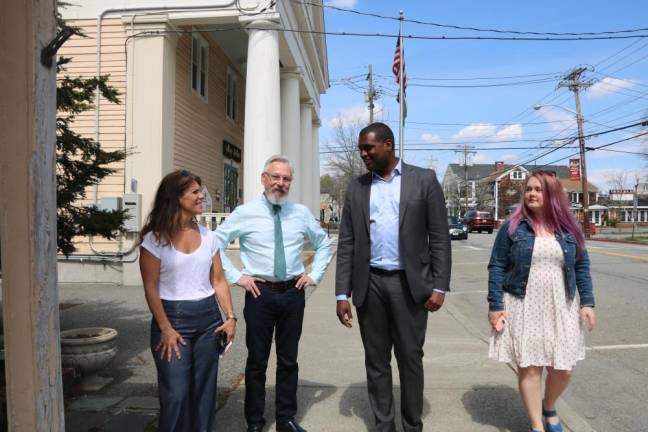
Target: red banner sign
x,y
574,169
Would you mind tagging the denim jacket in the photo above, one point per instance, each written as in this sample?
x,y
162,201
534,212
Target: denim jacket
x,y
510,263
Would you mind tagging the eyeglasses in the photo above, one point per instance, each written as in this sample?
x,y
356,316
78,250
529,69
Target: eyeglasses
x,y
277,177
184,173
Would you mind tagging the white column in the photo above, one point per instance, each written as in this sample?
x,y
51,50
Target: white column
x,y
262,135
32,362
150,124
290,127
306,134
316,167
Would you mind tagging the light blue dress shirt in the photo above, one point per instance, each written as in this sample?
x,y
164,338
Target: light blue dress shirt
x,y
384,219
253,225
384,207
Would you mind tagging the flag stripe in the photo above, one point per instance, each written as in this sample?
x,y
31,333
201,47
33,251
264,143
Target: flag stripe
x,y
398,55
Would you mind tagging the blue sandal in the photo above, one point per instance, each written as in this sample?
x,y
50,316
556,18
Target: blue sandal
x,y
548,426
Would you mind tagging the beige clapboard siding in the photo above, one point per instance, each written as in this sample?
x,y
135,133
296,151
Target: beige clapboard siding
x,y
201,125
82,51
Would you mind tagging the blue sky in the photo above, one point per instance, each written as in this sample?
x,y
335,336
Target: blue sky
x,y
495,117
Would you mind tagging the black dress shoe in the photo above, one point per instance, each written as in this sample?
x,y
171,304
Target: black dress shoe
x,y
289,426
255,428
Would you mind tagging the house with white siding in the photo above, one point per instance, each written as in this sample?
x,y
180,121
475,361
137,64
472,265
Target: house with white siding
x,y
212,87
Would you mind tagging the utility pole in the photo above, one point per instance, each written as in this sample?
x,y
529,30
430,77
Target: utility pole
x,y
371,94
635,202
466,152
572,80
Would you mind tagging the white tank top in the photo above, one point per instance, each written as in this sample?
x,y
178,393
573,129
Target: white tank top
x,y
184,276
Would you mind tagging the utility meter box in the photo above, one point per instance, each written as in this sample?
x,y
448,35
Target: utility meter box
x,y
132,203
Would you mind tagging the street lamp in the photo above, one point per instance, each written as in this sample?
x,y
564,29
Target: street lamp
x,y
583,165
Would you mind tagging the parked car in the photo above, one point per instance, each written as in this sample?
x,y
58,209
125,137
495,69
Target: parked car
x,y
479,221
457,229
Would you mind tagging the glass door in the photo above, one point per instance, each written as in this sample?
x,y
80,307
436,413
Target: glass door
x,y
230,199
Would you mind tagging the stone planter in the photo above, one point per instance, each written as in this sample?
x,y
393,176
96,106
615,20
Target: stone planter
x,y
88,349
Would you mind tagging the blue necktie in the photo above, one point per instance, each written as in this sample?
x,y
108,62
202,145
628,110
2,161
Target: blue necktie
x,y
279,254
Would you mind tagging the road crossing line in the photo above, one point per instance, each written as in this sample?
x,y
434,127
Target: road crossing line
x,y
616,347
623,255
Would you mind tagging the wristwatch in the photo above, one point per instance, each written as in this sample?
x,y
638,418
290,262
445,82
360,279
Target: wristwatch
x,y
231,317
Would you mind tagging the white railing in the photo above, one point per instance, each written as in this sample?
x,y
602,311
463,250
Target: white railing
x,y
212,221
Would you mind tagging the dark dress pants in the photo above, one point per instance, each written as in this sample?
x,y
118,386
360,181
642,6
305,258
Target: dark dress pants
x,y
283,310
390,318
187,386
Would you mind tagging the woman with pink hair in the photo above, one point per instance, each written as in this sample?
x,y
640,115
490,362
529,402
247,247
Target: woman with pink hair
x,y
540,296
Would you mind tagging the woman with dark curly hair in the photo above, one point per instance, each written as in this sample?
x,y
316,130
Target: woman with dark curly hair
x,y
184,287
540,296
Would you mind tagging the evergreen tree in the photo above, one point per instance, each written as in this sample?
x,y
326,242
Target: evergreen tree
x,y
80,161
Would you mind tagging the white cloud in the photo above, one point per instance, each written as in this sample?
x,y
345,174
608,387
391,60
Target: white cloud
x,y
561,119
510,132
490,132
480,158
347,4
508,157
352,115
478,130
428,138
609,85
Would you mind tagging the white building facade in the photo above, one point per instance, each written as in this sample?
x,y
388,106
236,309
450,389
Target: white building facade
x,y
212,87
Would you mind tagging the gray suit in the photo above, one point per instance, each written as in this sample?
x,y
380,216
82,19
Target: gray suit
x,y
390,304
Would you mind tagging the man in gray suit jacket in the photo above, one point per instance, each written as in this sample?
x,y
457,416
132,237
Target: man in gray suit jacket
x,y
394,260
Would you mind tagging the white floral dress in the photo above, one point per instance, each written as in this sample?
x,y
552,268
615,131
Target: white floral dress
x,y
543,328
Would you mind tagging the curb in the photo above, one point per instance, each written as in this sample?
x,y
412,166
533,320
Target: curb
x,y
619,241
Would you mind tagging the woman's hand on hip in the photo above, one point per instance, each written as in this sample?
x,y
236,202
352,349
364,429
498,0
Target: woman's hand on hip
x,y
228,328
587,317
169,344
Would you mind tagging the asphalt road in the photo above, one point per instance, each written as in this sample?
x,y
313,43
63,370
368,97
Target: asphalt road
x,y
610,387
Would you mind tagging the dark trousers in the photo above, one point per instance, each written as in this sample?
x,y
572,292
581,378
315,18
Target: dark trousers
x,y
187,386
282,309
390,318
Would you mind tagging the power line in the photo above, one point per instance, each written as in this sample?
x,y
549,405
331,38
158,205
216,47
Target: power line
x,y
626,55
409,37
511,84
601,147
624,151
408,147
477,29
476,123
554,74
616,54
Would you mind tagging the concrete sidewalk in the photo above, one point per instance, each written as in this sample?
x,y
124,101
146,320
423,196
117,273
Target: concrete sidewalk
x,y
464,390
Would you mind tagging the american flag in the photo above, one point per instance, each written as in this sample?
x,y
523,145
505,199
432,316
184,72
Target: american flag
x,y
399,55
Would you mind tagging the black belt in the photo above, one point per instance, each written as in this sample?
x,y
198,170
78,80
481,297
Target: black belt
x,y
383,272
280,285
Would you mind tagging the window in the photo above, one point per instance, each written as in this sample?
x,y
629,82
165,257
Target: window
x,y
517,175
199,64
231,99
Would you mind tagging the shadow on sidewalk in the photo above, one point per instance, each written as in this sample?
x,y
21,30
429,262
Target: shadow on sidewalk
x,y
499,406
355,403
309,393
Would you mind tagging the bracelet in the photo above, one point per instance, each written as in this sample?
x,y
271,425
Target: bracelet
x,y
231,317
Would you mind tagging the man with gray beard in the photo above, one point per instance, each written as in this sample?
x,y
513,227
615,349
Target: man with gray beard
x,y
271,231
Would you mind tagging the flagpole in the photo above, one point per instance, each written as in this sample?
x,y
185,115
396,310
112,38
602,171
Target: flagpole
x,y
401,123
